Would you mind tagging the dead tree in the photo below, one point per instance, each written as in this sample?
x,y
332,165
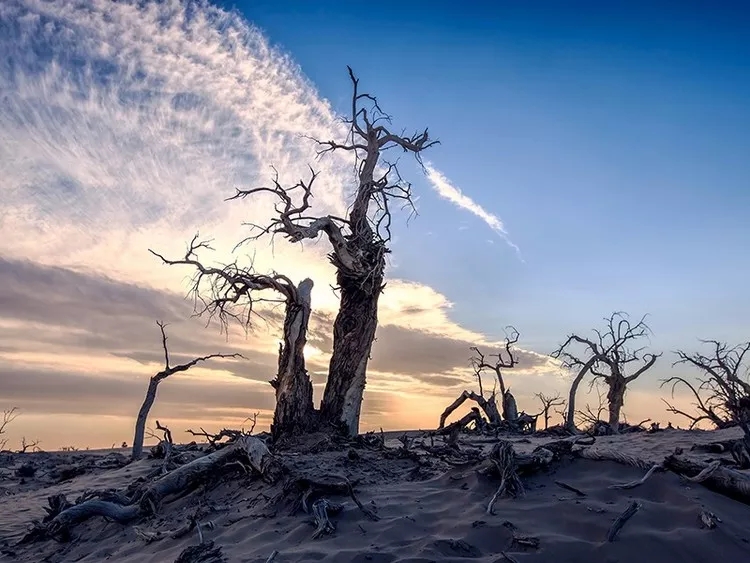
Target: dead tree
x,y
9,415
607,357
230,293
153,384
480,363
547,404
496,363
722,395
359,244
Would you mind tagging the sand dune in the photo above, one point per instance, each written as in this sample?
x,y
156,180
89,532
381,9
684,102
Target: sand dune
x,y
433,512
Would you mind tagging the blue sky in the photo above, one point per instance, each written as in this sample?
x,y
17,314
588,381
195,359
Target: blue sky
x,y
612,141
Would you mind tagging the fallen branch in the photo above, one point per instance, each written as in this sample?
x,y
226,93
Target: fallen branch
x,y
145,501
720,479
630,511
633,484
570,488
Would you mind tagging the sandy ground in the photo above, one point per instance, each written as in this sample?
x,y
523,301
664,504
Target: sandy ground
x,y
428,513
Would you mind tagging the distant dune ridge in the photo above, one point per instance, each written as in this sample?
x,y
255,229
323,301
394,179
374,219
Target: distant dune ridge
x,y
424,504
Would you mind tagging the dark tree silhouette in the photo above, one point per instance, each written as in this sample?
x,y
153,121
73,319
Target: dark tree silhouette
x,y
607,356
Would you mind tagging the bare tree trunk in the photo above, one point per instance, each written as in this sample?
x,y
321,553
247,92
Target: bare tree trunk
x,y
570,421
295,413
353,334
616,398
140,422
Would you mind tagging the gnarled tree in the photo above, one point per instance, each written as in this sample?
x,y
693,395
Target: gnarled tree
x,y
607,356
494,363
153,384
230,292
359,244
722,394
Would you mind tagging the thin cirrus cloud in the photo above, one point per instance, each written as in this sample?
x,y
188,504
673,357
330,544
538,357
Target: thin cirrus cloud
x,y
124,126
448,191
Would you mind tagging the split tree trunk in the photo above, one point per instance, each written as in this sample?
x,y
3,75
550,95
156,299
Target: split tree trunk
x,y
140,422
295,413
353,334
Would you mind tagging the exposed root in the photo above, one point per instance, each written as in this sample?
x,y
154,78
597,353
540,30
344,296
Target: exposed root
x,y
630,511
504,459
321,508
329,484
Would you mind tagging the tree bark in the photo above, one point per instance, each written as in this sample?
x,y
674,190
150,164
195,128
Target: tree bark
x,y
295,413
616,398
353,334
140,422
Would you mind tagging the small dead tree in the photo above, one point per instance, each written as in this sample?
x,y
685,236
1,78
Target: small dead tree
x,y
607,357
480,363
549,403
722,395
9,415
359,244
153,384
27,445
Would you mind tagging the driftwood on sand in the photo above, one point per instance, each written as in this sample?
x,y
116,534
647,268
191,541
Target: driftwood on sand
x,y
146,500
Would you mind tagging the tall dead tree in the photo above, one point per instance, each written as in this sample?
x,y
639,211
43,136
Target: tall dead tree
x,y
359,244
608,357
482,363
230,293
722,395
153,384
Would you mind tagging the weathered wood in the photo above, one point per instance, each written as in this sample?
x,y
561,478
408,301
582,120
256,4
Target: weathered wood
x,y
147,500
630,511
294,413
489,406
321,509
353,335
638,482
722,480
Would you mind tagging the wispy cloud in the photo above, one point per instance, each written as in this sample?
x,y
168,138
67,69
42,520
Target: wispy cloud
x,y
447,190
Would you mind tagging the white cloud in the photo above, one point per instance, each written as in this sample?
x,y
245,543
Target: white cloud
x,y
448,191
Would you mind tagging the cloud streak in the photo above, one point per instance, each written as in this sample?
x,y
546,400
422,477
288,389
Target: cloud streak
x,y
448,191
